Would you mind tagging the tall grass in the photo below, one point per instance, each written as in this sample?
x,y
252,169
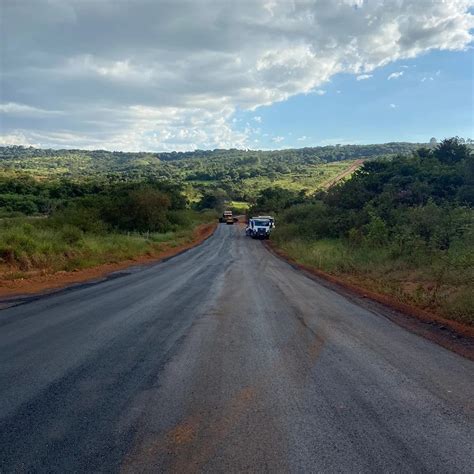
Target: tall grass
x,y
48,245
440,281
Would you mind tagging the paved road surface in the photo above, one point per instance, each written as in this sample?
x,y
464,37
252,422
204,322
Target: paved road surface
x,y
225,359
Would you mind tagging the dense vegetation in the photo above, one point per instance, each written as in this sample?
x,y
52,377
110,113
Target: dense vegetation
x,y
196,165
404,226
238,174
92,206
24,195
90,223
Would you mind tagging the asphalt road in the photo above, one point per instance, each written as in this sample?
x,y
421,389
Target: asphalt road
x,y
225,359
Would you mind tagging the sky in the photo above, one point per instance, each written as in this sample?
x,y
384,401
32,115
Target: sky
x,y
152,75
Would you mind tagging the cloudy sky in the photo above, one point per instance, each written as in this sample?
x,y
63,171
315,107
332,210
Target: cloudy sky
x,y
180,75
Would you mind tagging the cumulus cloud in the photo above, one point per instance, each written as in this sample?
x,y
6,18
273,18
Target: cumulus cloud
x,y
395,75
162,75
363,77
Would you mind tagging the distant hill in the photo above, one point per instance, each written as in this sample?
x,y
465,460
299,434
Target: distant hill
x,y
202,165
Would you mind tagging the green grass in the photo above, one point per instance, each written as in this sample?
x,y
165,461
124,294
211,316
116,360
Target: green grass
x,y
28,244
436,281
239,206
311,179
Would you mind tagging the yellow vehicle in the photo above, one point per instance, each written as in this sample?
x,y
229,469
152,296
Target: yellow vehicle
x,y
228,217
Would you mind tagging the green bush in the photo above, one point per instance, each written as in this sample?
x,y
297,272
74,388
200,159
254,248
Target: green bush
x,y
399,225
81,216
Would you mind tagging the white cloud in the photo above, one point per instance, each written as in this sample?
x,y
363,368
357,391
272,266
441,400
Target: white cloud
x,y
258,119
395,75
277,139
302,139
393,106
87,65
363,77
17,138
12,108
171,75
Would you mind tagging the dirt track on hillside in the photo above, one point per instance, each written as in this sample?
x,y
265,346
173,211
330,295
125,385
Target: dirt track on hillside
x,y
357,164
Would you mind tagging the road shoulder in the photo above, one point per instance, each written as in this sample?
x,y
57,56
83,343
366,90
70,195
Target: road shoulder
x,y
451,335
12,291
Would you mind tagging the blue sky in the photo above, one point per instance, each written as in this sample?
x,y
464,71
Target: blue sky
x,y
433,98
155,75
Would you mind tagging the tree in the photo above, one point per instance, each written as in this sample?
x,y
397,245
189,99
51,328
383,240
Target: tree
x,y
213,200
146,209
452,150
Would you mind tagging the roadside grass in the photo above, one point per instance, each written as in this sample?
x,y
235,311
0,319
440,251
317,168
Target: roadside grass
x,y
442,282
44,246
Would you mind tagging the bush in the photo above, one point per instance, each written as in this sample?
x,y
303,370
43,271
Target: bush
x,y
71,235
399,226
82,216
376,232
143,209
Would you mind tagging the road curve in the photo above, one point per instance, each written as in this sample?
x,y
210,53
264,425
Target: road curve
x,y
225,359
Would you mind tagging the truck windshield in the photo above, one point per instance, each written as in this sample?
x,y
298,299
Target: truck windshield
x,y
261,223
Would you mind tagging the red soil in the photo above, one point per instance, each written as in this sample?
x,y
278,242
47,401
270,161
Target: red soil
x,y
46,282
348,171
452,335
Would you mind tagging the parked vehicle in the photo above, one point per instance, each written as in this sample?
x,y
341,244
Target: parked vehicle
x,y
270,218
228,218
259,228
